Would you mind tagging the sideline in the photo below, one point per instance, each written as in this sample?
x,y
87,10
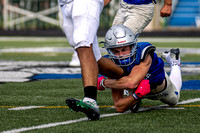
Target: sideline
x,y
85,119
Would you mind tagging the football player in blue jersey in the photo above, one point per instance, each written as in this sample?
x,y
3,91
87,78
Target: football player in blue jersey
x,y
145,75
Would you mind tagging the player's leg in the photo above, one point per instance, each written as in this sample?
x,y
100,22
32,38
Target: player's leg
x,y
67,30
175,74
88,106
170,95
119,17
89,68
86,22
173,58
138,16
67,24
75,60
174,81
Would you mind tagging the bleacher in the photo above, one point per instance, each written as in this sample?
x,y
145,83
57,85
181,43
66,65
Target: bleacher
x,y
185,14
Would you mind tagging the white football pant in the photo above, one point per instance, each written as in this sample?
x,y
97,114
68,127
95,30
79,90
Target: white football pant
x,y
136,17
81,22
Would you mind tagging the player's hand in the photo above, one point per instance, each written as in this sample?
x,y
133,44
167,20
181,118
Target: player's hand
x,y
100,85
166,10
142,89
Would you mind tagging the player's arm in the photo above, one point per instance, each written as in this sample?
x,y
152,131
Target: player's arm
x,y
166,10
106,2
108,68
124,103
133,79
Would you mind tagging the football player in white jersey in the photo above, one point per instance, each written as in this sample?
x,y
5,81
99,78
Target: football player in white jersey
x,y
80,24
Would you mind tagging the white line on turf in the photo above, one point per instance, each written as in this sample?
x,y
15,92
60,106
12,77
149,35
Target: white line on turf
x,y
54,124
85,119
25,107
190,101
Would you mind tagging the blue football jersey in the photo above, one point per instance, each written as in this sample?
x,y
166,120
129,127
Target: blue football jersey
x,y
156,73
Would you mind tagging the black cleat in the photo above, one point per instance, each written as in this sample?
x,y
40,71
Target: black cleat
x,y
89,108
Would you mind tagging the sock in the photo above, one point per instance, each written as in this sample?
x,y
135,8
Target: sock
x,y
175,77
91,92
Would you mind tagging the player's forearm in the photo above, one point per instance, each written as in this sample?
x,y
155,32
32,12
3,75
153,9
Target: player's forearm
x,y
128,82
168,2
106,2
133,79
123,83
123,104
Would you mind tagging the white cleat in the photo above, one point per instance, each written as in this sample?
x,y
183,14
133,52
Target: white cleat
x,y
172,57
75,61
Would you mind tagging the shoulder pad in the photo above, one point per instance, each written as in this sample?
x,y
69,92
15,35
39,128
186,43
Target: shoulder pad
x,y
147,50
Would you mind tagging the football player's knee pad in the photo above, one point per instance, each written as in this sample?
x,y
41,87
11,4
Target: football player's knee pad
x,y
171,96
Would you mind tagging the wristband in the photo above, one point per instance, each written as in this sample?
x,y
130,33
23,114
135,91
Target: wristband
x,y
103,84
135,96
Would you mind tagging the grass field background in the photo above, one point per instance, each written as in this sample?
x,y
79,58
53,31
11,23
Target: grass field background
x,y
47,98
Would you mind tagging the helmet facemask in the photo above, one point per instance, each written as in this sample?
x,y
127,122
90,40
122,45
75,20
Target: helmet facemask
x,y
123,60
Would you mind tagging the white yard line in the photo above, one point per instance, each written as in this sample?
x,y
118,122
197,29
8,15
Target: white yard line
x,y
189,101
25,107
55,124
85,119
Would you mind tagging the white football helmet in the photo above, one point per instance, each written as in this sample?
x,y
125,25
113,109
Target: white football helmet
x,y
120,36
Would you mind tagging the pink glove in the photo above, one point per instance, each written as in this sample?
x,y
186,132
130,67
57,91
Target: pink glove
x,y
100,85
142,89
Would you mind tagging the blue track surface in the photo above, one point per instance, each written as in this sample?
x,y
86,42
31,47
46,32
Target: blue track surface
x,y
191,85
56,76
